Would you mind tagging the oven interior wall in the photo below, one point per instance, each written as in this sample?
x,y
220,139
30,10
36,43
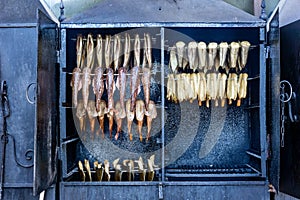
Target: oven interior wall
x,y
213,137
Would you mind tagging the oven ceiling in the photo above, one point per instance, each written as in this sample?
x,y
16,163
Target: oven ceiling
x,y
163,11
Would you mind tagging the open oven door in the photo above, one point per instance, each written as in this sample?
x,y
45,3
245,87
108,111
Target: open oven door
x,y
290,128
45,138
284,104
273,98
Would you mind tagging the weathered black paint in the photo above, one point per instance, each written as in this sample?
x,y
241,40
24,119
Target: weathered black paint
x,y
290,70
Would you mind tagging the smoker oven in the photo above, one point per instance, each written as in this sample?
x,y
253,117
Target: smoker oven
x,y
212,151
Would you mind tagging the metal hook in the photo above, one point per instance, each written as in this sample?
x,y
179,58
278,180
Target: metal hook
x,y
283,95
27,93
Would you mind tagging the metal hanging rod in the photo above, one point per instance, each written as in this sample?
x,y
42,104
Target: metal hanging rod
x,y
169,48
131,39
104,74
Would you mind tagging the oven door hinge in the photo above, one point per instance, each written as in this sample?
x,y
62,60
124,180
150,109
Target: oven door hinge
x,y
160,191
58,151
267,52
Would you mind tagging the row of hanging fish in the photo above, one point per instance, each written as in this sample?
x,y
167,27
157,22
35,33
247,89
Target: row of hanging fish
x,y
103,77
202,58
124,171
214,75
138,113
206,87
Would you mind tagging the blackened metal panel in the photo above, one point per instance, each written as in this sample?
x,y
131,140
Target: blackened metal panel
x,y
188,11
17,66
290,71
216,190
45,146
109,190
273,67
15,11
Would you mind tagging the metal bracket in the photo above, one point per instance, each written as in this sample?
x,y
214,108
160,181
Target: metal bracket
x,y
160,191
292,105
267,52
285,97
29,99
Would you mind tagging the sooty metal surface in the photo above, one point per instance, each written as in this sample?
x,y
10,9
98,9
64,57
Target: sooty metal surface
x,y
188,11
210,171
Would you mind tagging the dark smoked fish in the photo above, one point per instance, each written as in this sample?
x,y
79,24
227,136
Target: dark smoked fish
x,y
134,86
146,78
110,93
86,81
76,85
98,86
121,85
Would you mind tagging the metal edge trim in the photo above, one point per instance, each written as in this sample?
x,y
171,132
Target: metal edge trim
x,y
18,25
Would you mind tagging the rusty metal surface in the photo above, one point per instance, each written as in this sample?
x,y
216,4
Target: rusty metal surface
x,y
45,157
211,11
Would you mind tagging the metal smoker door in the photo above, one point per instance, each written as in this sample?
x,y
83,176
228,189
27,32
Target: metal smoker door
x,y
273,97
45,140
290,71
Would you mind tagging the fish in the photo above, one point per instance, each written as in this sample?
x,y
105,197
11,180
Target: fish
x,y
117,51
245,46
223,53
173,64
107,51
242,87
139,115
102,111
98,86
110,84
79,46
212,53
146,81
202,55
134,86
126,50
86,81
76,85
80,170
106,175
121,85
87,167
90,51
152,114
142,171
98,171
92,114
147,40
110,93
118,114
151,166
180,47
192,55
202,88
99,50
81,114
130,117
234,52
137,50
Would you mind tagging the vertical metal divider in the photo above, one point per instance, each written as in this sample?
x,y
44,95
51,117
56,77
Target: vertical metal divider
x,y
62,98
262,102
162,33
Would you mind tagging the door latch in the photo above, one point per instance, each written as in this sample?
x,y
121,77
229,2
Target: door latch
x,y
160,191
287,95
